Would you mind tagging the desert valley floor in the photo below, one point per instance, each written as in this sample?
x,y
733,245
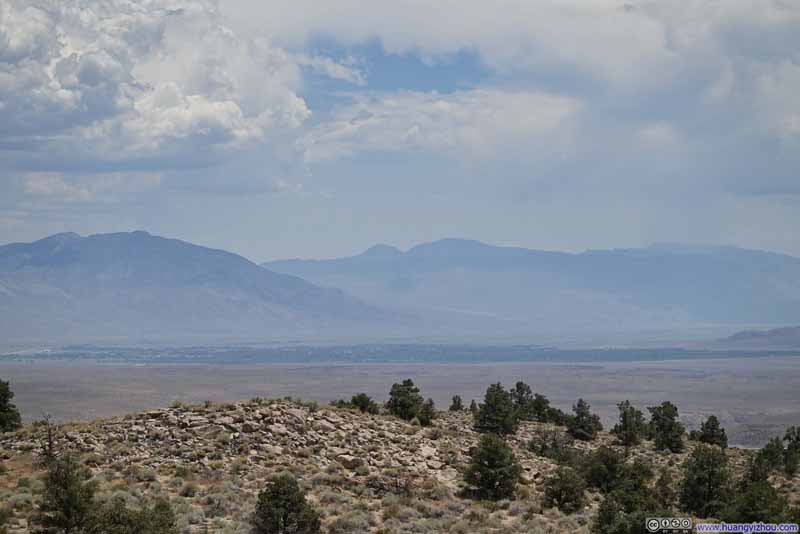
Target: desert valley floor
x,y
754,398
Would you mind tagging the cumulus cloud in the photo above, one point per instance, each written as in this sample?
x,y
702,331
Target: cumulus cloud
x,y
698,86
635,44
129,81
465,124
665,99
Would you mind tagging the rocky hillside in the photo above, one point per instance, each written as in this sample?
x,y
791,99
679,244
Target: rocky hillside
x,y
365,473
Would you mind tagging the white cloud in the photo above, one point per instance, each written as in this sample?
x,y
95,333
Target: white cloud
x,y
57,187
176,84
464,124
630,45
777,98
125,81
332,69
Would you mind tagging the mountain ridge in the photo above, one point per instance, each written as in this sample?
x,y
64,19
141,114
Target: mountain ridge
x,y
656,286
137,284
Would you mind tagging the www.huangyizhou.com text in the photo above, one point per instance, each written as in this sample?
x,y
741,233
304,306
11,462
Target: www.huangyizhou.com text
x,y
747,528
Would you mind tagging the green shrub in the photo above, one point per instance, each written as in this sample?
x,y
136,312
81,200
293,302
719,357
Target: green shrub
x,y
771,455
364,403
116,518
757,501
565,490
282,509
457,405
664,490
631,501
556,445
583,424
5,515
497,414
792,452
602,468
493,471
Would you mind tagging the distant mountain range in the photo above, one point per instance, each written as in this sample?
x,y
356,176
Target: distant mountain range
x,y
136,286
139,286
787,337
504,289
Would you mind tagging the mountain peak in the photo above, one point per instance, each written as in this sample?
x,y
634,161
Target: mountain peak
x,y
381,251
60,238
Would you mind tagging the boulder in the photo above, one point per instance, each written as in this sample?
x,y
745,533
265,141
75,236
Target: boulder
x,y
349,461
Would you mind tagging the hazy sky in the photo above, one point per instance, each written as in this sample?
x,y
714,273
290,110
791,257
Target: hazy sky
x,y
310,128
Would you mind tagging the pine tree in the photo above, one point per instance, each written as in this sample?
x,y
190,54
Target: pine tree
x,y
522,396
68,498
282,509
583,424
565,490
9,414
667,431
404,400
706,482
631,426
494,470
497,414
712,433
457,405
426,413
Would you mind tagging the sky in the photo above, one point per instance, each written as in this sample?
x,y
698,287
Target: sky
x,y
279,129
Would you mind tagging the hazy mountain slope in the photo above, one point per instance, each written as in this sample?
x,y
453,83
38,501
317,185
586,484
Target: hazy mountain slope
x,y
136,284
622,289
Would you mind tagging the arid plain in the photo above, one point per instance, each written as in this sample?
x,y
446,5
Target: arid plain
x,y
755,398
